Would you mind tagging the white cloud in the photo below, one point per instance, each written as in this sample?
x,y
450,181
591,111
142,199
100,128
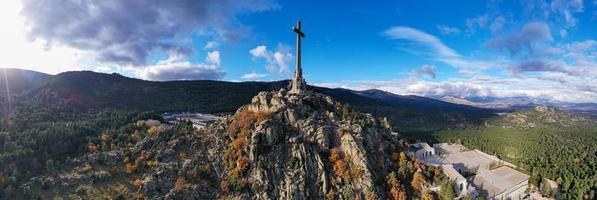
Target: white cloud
x,y
434,48
213,58
276,61
482,86
129,32
253,75
17,51
178,68
448,30
211,45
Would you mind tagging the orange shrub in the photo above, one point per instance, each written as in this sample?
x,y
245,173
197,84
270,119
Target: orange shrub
x,y
243,164
245,120
341,170
224,186
130,168
427,196
418,181
138,183
396,190
371,196
238,143
336,154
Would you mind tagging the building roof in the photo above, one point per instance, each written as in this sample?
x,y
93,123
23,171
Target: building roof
x,y
496,181
450,148
423,146
452,173
472,159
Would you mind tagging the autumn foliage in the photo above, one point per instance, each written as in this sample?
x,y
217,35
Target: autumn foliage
x,y
339,166
238,143
418,181
245,120
138,183
396,190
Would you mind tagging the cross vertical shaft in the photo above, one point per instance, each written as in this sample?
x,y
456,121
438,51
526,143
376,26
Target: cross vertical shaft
x,y
299,70
298,84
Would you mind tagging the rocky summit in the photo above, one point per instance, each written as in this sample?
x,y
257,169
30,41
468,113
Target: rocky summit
x,y
305,147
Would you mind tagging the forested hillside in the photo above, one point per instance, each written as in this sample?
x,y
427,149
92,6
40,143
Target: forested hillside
x,y
543,141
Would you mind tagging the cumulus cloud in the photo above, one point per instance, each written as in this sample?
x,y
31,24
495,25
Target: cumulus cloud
x,y
426,71
253,75
433,47
178,68
276,61
211,45
213,58
127,32
446,30
527,38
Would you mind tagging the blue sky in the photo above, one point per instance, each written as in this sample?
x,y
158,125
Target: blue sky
x,y
539,49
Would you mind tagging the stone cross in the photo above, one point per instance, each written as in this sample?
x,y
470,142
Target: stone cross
x,y
298,84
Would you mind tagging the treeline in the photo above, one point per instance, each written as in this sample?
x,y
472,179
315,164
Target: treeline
x,y
32,142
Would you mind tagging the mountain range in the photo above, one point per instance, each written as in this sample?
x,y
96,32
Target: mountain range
x,y
86,91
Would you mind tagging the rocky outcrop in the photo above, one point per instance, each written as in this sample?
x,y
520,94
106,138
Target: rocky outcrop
x,y
540,116
289,151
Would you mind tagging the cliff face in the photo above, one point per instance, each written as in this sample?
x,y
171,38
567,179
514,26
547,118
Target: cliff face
x,y
304,147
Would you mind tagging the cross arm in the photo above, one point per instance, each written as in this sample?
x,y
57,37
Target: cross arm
x,y
298,31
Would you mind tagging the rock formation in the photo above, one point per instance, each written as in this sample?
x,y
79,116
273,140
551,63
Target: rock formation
x,y
306,147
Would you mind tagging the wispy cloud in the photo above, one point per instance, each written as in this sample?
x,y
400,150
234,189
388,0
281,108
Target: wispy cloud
x,y
446,30
434,48
253,75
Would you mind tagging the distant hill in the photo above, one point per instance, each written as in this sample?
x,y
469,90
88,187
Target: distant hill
x,y
85,91
15,82
540,116
509,104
